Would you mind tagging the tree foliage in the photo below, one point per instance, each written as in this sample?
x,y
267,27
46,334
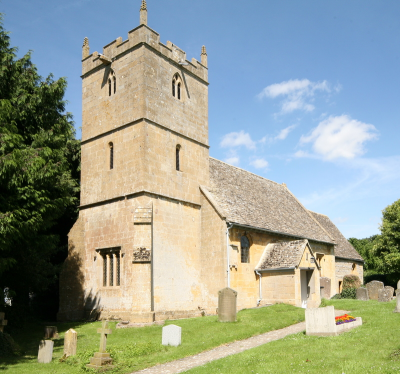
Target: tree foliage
x,y
387,245
365,247
39,173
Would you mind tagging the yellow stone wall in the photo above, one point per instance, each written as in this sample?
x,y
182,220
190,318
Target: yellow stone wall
x,y
347,267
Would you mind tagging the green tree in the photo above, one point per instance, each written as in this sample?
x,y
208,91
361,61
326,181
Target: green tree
x,y
387,245
365,247
39,175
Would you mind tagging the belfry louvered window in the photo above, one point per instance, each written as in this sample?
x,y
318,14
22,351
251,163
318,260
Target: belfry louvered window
x,y
111,266
244,249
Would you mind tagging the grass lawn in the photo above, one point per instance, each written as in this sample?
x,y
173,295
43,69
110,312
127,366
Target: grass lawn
x,y
137,348
373,347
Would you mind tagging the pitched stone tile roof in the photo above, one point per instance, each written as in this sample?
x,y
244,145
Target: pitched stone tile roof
x,y
343,247
282,255
248,199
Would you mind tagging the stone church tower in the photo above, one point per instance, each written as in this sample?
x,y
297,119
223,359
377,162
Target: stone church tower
x,y
135,251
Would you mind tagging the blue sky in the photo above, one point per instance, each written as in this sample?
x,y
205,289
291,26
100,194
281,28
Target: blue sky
x,y
301,92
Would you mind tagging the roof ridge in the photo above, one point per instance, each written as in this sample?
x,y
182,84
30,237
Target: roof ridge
x,y
236,167
308,212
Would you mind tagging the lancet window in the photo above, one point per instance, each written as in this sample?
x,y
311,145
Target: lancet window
x,y
177,86
244,249
111,145
177,157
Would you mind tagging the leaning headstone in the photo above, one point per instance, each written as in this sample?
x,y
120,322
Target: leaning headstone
x,y
45,354
3,322
50,332
373,289
391,289
70,342
227,300
321,321
325,285
362,294
172,335
101,358
397,310
384,295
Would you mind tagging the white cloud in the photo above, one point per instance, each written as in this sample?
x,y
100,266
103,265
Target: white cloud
x,y
237,139
339,137
233,160
296,93
259,163
285,132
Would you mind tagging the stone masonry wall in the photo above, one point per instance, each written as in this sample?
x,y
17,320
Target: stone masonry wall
x,y
346,267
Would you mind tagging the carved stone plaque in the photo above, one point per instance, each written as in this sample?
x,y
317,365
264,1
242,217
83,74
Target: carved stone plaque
x,y
142,215
142,255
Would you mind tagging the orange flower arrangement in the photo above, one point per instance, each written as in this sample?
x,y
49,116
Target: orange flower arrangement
x,y
345,318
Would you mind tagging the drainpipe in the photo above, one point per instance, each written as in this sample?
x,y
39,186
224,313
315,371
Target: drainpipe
x,y
228,273
259,288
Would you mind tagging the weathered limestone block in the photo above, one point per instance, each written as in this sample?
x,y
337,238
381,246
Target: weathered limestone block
x,y
70,343
373,289
45,354
172,335
390,289
227,301
321,321
362,294
325,285
397,310
384,295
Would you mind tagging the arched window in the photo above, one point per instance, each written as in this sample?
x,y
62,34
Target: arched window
x,y
178,149
115,84
111,156
177,86
109,87
244,249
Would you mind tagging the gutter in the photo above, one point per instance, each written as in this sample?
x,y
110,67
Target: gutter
x,y
351,259
259,287
276,269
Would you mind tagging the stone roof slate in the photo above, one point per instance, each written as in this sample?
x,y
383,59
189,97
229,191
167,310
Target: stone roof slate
x,y
282,255
248,199
343,247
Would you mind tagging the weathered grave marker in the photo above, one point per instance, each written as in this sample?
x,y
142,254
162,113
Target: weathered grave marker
x,y
321,321
398,285
227,300
45,354
101,358
3,322
397,310
325,285
50,332
70,342
373,289
172,335
362,294
384,295
391,289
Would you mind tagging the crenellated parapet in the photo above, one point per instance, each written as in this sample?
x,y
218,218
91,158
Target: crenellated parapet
x,y
144,36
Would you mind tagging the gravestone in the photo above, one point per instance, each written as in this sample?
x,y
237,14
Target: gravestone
x,y
3,322
45,354
50,332
362,294
391,289
227,300
373,289
321,321
101,358
384,295
325,285
397,310
398,285
172,335
70,342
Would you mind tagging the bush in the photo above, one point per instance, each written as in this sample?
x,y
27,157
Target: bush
x,y
351,281
337,296
348,293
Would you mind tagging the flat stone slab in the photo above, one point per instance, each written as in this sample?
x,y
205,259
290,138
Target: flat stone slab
x,y
349,325
362,294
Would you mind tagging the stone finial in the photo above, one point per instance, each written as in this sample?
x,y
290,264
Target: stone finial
x,y
85,48
204,56
284,184
143,13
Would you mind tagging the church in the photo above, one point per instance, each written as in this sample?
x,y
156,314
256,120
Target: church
x,y
163,226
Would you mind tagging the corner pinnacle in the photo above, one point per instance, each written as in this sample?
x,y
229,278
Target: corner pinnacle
x,y
144,5
203,50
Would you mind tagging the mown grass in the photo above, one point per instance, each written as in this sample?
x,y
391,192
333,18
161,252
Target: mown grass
x,y
137,348
372,348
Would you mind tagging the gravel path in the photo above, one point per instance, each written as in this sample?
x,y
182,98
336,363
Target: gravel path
x,y
222,351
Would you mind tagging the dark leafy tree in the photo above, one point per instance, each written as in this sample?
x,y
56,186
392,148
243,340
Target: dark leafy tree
x,y
387,245
39,176
365,248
